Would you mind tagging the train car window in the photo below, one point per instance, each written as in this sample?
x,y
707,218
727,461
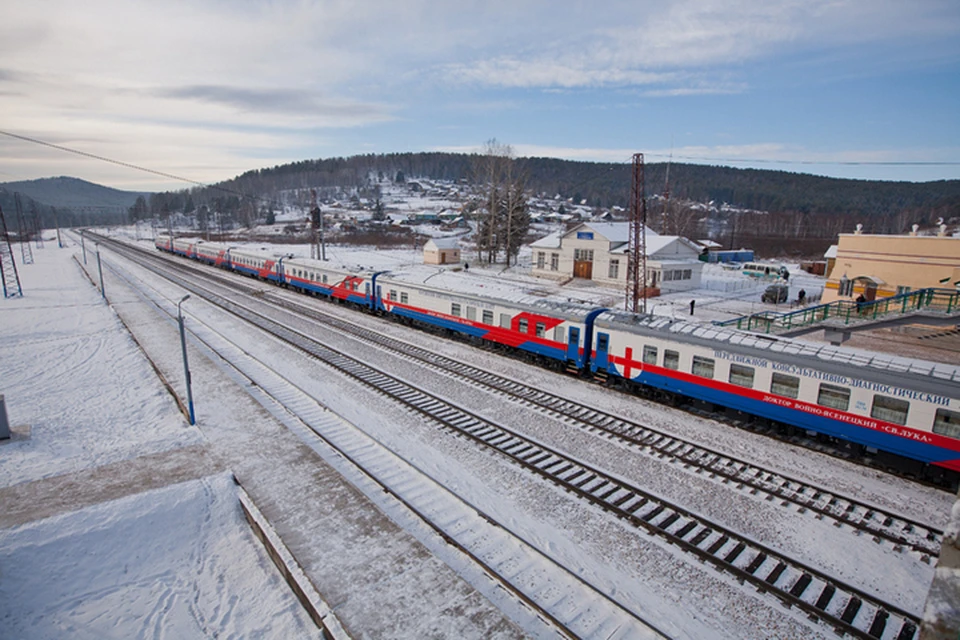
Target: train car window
x,y
947,423
487,316
833,396
558,334
649,354
523,325
741,375
454,309
404,298
671,359
784,385
471,313
703,367
505,320
392,295
540,329
603,342
324,278
890,409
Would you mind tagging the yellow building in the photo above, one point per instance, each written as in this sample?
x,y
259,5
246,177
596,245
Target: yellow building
x,y
879,266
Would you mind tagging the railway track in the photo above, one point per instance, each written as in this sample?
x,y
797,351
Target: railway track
x,y
839,605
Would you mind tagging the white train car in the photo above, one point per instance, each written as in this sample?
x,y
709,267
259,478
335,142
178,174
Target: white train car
x,y
257,263
320,278
883,402
556,331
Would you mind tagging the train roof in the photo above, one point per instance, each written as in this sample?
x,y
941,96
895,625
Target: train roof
x,y
326,265
709,334
569,310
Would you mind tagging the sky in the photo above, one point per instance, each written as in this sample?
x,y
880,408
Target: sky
x,y
207,89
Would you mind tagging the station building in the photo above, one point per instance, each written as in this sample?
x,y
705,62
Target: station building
x,y
879,266
597,251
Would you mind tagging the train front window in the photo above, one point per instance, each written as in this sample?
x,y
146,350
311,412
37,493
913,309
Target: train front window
x,y
671,359
890,409
784,385
947,423
649,355
834,397
741,375
703,367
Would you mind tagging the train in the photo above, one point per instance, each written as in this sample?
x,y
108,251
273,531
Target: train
x,y
904,414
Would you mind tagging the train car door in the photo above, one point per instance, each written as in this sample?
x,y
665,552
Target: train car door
x,y
573,344
603,347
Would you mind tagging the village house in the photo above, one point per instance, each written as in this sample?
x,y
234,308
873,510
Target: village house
x,y
598,251
441,251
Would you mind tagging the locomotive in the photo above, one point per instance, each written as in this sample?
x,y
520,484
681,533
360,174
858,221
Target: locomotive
x,y
904,413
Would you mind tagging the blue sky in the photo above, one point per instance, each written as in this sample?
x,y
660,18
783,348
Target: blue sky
x,y
207,89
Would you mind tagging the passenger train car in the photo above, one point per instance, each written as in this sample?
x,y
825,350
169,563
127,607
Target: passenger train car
x,y
557,333
905,412
882,402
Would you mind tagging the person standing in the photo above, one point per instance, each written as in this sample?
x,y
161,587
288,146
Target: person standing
x,y
693,303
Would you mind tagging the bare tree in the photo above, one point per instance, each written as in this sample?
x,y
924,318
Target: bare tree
x,y
503,199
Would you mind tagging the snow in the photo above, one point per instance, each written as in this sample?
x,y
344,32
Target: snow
x,y
176,562
175,556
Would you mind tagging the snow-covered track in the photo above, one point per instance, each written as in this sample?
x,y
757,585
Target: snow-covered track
x,y
841,606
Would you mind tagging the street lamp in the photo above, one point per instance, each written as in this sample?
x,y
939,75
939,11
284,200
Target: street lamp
x,y
186,367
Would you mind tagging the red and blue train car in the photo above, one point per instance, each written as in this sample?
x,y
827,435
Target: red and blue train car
x,y
883,402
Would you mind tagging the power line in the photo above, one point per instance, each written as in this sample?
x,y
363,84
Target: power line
x,y
127,165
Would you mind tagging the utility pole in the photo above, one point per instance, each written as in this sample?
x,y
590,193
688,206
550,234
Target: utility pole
x,y
637,244
186,367
8,266
23,232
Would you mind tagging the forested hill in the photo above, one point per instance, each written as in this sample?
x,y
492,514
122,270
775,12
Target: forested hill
x,y
608,184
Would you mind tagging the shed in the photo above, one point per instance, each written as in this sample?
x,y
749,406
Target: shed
x,y
441,251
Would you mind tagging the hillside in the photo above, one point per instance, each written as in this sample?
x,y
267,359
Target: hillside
x,y
606,185
74,194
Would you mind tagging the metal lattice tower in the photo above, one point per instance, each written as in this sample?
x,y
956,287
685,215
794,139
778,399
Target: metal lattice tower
x,y
637,245
8,266
37,225
23,233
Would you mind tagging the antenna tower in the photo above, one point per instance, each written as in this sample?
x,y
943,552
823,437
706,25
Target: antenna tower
x,y
22,233
637,245
37,225
666,198
8,266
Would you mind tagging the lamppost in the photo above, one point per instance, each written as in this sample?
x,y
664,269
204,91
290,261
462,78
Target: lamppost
x,y
186,367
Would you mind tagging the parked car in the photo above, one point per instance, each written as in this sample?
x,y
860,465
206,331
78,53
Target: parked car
x,y
776,293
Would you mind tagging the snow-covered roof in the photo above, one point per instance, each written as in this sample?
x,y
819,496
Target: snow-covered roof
x,y
442,243
551,241
817,354
831,252
613,231
710,244
659,243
